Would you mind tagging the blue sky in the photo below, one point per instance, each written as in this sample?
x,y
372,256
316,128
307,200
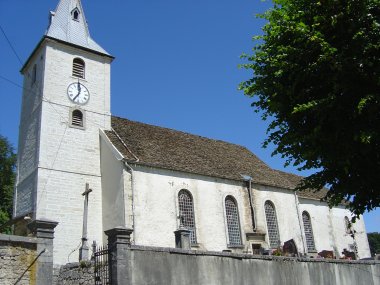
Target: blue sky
x,y
176,65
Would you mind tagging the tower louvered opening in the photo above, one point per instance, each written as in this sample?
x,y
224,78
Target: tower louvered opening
x,y
78,67
77,118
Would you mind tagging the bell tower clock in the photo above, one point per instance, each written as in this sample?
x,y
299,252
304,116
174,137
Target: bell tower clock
x,y
66,100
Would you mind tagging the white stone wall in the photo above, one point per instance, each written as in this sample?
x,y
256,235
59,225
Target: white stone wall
x,y
97,79
60,199
343,238
329,228
154,202
67,157
70,157
286,213
25,196
29,136
324,237
113,204
156,207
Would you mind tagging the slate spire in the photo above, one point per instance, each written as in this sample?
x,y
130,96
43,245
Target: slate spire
x,y
69,24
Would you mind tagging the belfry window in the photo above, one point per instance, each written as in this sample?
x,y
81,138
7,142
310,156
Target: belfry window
x,y
186,213
308,231
233,223
76,118
78,67
75,14
273,234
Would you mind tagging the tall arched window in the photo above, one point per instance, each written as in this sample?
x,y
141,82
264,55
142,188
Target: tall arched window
x,y
233,223
78,67
308,231
186,213
270,214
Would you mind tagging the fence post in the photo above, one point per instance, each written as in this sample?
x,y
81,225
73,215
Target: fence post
x,y
119,241
43,230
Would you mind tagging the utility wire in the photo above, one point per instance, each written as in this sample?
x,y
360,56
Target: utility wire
x,y
10,44
12,82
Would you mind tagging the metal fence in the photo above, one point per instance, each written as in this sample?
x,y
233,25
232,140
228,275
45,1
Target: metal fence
x,y
101,270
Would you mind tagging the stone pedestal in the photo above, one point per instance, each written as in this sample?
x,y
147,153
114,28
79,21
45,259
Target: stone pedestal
x,y
182,238
83,250
43,230
119,240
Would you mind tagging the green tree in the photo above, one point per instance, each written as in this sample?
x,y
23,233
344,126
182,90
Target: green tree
x,y
316,76
374,243
7,179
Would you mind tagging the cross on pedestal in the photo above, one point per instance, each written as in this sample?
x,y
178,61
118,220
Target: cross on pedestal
x,y
83,251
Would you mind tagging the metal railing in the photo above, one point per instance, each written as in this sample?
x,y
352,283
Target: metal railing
x,y
101,270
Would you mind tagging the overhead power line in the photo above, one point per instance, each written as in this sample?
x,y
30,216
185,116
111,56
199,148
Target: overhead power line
x,y
10,44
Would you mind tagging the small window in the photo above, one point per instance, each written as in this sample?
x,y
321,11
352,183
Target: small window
x,y
273,233
308,231
78,67
186,213
77,118
34,74
75,14
233,223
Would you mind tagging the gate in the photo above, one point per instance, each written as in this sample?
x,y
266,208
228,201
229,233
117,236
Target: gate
x,y
101,270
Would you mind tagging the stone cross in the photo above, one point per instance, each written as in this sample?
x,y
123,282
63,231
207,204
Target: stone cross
x,y
83,251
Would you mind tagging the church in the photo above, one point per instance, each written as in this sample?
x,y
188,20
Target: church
x,y
150,179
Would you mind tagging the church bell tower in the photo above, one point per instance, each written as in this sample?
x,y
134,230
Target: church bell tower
x,y
66,101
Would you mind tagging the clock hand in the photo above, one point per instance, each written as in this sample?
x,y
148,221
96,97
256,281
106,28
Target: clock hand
x,y
76,96
79,89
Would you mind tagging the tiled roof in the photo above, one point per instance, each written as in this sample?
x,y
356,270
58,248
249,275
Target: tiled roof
x,y
170,149
64,28
309,194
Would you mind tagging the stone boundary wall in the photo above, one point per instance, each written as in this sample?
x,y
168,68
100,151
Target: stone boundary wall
x,y
150,265
17,254
77,273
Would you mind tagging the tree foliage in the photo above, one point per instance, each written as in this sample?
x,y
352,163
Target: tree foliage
x,y
7,179
316,76
374,243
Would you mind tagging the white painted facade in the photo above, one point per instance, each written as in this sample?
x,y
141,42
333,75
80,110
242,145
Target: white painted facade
x,y
151,209
56,160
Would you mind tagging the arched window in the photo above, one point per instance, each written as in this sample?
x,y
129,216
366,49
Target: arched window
x,y
233,223
77,118
186,213
270,214
308,231
347,225
78,67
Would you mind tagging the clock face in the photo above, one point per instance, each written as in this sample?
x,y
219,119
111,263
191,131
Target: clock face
x,y
78,93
